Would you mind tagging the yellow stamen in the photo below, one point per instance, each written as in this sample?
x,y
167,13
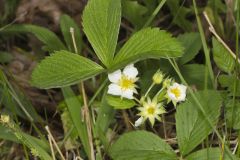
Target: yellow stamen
x,y
151,110
126,83
176,92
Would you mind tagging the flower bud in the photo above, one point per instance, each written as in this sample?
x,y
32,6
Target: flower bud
x,y
167,82
4,119
158,77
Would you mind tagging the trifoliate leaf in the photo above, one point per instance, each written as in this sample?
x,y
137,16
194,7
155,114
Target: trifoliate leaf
x,y
101,23
147,43
63,68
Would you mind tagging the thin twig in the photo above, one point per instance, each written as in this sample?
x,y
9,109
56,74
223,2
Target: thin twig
x,y
126,120
51,147
54,142
73,38
88,121
208,68
164,127
235,149
213,31
86,115
14,21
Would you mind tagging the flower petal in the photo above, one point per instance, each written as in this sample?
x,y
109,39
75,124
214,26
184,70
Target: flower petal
x,y
114,89
138,122
171,95
130,71
115,76
128,93
152,120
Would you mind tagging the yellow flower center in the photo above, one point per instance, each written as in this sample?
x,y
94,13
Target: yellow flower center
x,y
151,110
126,83
176,92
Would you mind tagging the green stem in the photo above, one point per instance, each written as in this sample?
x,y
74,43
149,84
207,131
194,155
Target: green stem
x,y
149,89
25,152
103,84
13,94
160,91
209,70
155,12
236,75
236,70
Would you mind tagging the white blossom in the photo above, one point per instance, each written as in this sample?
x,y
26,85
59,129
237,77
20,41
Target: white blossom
x,y
123,82
177,92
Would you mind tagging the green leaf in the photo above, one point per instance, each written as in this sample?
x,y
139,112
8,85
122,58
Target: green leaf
x,y
10,135
120,103
105,117
49,38
39,146
222,57
101,23
228,81
134,12
180,12
215,17
70,132
66,23
63,68
209,154
194,75
15,101
147,43
192,44
34,144
192,126
233,114
74,106
7,134
141,145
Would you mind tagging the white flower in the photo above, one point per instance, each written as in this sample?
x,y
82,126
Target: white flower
x,y
176,93
151,110
123,83
138,122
